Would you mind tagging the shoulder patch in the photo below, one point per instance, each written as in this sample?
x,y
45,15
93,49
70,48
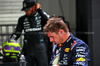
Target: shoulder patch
x,y
73,45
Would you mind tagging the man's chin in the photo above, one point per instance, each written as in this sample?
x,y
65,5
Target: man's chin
x,y
56,43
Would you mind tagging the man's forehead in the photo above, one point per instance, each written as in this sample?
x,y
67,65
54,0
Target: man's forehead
x,y
50,33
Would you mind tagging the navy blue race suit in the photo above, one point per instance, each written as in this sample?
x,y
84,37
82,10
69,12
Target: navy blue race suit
x,y
73,52
34,48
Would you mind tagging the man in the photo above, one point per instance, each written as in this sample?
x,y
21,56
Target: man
x,y
32,23
69,51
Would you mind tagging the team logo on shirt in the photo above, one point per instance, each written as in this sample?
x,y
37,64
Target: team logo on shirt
x,y
80,59
57,51
60,45
67,49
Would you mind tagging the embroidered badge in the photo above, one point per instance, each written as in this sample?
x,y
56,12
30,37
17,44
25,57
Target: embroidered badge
x,y
67,49
60,45
80,59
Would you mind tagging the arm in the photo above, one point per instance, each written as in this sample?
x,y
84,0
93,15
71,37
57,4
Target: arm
x,y
18,30
44,15
80,55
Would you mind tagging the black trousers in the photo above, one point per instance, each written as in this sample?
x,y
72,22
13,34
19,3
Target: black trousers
x,y
37,57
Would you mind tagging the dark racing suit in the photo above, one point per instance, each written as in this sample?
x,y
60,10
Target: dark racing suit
x,y
34,47
73,52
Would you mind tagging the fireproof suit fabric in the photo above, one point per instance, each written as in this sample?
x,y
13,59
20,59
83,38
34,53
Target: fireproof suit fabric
x,y
34,46
74,52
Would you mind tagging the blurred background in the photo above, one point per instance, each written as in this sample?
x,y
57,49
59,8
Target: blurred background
x,y
83,17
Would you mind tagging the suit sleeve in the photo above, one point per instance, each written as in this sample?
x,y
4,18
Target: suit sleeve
x,y
18,30
80,55
44,16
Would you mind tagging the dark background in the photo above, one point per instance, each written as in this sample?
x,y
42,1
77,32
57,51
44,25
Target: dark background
x,y
88,27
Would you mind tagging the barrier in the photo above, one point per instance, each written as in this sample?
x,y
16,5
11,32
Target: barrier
x,y
5,32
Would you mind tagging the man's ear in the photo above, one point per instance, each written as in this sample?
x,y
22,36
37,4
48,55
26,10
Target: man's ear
x,y
61,31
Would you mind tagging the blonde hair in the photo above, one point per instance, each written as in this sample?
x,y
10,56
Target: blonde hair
x,y
54,24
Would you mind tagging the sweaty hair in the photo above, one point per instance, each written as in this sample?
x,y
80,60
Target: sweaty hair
x,y
54,24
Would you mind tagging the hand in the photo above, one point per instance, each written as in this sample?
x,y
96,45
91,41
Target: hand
x,y
33,9
37,6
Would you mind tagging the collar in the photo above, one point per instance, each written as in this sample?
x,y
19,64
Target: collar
x,y
68,41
